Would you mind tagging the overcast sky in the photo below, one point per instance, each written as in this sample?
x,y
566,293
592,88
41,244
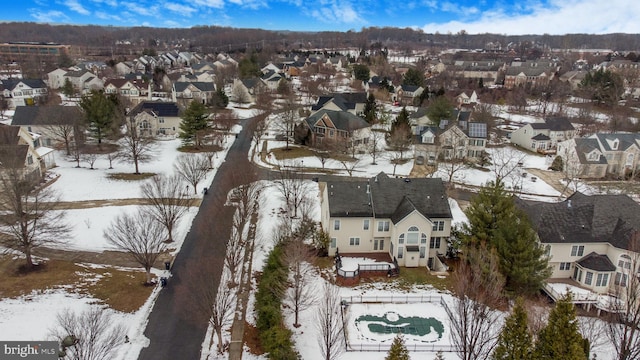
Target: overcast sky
x,y
480,16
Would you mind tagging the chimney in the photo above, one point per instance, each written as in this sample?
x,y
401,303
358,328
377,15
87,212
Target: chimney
x,y
368,189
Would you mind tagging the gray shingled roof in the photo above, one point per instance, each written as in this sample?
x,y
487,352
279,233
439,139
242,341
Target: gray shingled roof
x,y
46,115
388,198
585,219
596,262
541,137
341,119
344,101
181,86
163,109
585,146
625,140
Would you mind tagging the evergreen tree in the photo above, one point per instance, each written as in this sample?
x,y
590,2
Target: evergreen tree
x,y
561,338
194,123
413,77
100,111
398,350
496,221
67,88
221,100
440,108
248,67
515,341
402,120
361,72
604,86
370,109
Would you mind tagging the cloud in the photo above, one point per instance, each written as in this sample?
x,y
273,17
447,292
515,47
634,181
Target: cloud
x,y
107,16
74,5
180,9
250,4
218,4
52,16
555,17
149,11
112,3
331,12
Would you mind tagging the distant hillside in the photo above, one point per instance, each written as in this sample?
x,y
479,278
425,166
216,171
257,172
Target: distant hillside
x,y
214,38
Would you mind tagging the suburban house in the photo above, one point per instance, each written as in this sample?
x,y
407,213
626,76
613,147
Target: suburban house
x,y
83,81
337,127
529,73
409,219
487,70
544,135
350,102
18,152
155,118
52,123
590,240
21,92
244,91
458,139
408,93
135,89
601,154
196,90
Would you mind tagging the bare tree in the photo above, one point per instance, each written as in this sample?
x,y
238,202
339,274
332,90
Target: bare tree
x,y
395,158
140,235
400,140
300,296
287,119
376,145
98,333
63,133
77,149
329,323
240,93
292,185
506,163
90,158
136,146
473,317
210,297
192,168
322,151
30,218
112,156
168,202
260,128
623,324
572,168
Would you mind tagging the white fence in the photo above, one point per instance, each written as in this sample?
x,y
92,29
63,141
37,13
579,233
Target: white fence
x,y
384,347
397,299
364,268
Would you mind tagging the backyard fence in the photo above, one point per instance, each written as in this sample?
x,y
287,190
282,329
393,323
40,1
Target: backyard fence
x,y
364,268
395,298
384,347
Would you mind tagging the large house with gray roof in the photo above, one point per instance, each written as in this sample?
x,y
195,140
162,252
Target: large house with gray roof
x,y
544,135
156,118
601,154
408,219
590,240
338,128
349,102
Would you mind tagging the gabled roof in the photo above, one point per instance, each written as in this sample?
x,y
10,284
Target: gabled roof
x,y
625,140
541,137
344,101
559,124
585,146
162,109
385,197
12,153
11,84
582,218
46,115
342,120
200,85
596,262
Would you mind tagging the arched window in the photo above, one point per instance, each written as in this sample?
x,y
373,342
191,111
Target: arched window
x,y
401,239
423,238
624,262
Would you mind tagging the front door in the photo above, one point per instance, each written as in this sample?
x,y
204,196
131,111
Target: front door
x,y
412,258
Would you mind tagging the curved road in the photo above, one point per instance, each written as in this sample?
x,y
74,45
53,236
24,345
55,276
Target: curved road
x,y
172,335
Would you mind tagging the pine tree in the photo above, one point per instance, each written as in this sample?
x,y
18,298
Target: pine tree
x,y
398,350
515,341
100,112
194,122
561,338
370,109
496,221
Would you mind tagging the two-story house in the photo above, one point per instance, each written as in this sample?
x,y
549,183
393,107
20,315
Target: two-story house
x,y
135,89
544,135
21,92
590,240
155,118
18,152
337,127
349,102
55,124
601,154
531,74
195,90
409,219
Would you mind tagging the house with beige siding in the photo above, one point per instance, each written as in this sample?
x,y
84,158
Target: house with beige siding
x,y
408,219
544,135
591,241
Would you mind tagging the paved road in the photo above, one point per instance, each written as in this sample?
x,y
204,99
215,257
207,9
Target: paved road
x,y
172,335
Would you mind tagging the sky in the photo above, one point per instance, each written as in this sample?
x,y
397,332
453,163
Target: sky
x,y
508,17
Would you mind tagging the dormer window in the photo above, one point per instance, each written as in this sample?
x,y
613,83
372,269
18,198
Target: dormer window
x,y
594,156
614,145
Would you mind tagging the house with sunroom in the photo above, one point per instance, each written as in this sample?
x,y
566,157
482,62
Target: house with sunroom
x,y
409,219
591,240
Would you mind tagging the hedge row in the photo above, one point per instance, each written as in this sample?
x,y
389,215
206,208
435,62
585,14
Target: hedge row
x,y
275,338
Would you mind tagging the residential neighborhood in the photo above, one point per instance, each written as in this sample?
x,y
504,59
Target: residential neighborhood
x,y
321,202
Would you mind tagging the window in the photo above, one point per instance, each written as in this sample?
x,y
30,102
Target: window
x,y
365,224
602,279
378,244
621,279
354,241
413,235
400,252
423,239
434,243
401,239
624,262
29,159
423,251
565,266
438,225
336,225
577,250
161,120
383,225
588,278
333,242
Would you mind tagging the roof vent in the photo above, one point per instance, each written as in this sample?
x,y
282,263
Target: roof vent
x,y
407,180
569,204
